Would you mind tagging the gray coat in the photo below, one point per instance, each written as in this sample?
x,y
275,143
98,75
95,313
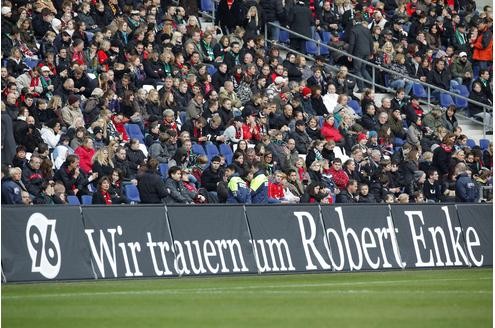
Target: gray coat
x,y
360,41
300,20
178,194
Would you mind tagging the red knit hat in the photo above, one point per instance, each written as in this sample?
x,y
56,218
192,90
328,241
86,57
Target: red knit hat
x,y
361,136
306,91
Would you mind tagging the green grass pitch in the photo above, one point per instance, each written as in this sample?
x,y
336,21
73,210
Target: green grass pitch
x,y
428,298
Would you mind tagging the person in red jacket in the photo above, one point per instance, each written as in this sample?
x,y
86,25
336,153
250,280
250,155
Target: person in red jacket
x,y
338,174
275,186
483,45
330,132
86,153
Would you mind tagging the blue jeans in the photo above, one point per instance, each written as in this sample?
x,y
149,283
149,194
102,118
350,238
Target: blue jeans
x,y
361,70
398,84
274,31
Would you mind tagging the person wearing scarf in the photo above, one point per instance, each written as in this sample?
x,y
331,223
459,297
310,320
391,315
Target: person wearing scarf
x,y
102,196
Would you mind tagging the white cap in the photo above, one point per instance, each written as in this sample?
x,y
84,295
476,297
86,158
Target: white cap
x,y
463,54
6,10
45,68
56,23
279,80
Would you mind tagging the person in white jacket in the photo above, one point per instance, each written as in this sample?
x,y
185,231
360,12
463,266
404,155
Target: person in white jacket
x,y
50,133
31,81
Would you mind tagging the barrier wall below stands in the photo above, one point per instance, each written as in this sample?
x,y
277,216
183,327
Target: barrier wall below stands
x,y
98,242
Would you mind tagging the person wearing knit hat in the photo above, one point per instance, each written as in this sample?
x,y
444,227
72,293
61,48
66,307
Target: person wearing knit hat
x,y
6,11
306,92
72,100
97,92
372,134
361,136
279,80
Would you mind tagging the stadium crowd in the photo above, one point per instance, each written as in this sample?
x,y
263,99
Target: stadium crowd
x,y
99,97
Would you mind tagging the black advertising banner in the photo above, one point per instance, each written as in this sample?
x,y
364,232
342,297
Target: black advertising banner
x,y
477,224
429,236
288,238
44,243
128,241
361,238
211,240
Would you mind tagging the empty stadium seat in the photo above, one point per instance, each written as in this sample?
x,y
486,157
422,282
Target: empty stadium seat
x,y
419,91
211,150
355,106
134,132
132,193
87,200
207,5
73,200
460,103
446,100
164,170
471,143
198,149
211,69
484,143
312,48
226,151
283,36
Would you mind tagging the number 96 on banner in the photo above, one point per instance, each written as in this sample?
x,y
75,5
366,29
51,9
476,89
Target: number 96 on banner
x,y
43,245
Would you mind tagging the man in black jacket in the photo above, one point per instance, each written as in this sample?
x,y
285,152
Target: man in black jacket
x,y
300,21
31,175
273,12
439,76
360,45
301,138
212,175
151,187
347,195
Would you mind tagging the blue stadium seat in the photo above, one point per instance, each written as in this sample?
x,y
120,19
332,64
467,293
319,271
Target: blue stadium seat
x,y
132,193
198,149
355,106
87,200
471,143
283,36
164,170
211,69
134,132
207,5
211,150
419,91
321,120
73,200
325,40
226,151
460,103
31,63
462,89
446,100
312,48
484,143
183,117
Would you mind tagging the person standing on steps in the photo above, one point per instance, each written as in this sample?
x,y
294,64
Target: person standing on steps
x,y
360,45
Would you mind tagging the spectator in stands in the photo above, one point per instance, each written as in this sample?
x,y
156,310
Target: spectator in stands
x,y
152,189
348,195
466,190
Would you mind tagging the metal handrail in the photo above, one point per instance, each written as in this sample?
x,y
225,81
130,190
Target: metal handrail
x,y
374,66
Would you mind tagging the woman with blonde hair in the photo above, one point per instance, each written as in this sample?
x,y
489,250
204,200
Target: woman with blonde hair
x,y
252,23
388,52
166,60
153,108
102,162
